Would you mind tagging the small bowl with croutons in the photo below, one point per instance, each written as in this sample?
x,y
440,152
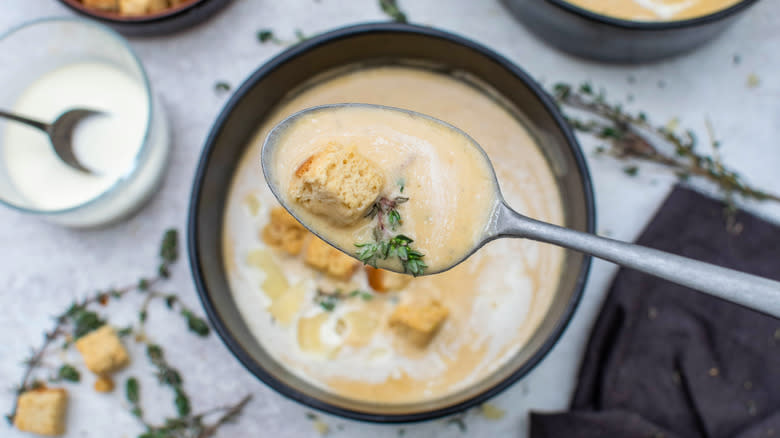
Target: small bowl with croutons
x,y
147,17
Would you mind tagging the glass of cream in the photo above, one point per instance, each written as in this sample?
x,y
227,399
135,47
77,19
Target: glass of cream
x,y
56,64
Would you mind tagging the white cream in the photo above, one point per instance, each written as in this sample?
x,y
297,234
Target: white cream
x,y
107,144
664,9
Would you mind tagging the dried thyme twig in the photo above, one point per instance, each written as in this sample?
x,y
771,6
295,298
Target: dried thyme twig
x,y
80,319
630,136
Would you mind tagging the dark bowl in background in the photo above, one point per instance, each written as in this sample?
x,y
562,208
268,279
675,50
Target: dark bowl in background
x,y
169,21
594,36
352,47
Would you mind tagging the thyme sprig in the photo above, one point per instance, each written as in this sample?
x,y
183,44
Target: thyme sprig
x,y
328,299
385,244
631,136
81,318
185,425
265,36
392,10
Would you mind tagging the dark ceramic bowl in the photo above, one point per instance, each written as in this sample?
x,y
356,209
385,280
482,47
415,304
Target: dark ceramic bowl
x,y
352,47
168,21
594,36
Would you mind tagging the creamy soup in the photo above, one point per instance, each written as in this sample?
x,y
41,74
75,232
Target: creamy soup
x,y
395,339
430,184
654,10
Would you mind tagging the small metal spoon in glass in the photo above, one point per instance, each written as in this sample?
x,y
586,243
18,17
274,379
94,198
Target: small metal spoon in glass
x,y
60,133
748,290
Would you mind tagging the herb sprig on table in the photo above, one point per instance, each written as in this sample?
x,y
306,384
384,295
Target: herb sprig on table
x,y
386,245
631,136
392,10
388,7
81,318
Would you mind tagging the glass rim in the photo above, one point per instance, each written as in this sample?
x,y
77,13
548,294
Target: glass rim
x,y
124,178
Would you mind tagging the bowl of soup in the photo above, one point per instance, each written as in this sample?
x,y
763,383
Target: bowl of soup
x,y
627,31
334,334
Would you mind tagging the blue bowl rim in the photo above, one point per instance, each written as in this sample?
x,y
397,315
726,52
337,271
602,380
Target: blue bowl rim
x,y
192,226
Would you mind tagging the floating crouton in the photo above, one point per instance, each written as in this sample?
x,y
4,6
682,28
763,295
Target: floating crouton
x,y
386,281
154,6
284,232
102,351
418,323
325,258
103,5
135,7
337,183
42,411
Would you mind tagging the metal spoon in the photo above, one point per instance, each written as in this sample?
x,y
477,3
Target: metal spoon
x,y
60,133
748,290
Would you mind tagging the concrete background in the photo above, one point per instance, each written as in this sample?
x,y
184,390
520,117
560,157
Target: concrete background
x,y
44,267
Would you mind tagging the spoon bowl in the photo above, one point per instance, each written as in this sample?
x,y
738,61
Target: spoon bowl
x,y
60,132
748,290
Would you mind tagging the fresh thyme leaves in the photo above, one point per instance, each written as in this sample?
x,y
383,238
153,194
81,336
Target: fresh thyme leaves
x,y
221,87
80,318
397,246
394,219
132,389
386,245
329,300
401,184
67,373
631,170
268,36
392,10
630,136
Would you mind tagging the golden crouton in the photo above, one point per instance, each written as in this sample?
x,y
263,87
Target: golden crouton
x,y
102,351
323,257
386,281
154,6
337,183
104,384
284,232
418,323
134,7
42,411
103,5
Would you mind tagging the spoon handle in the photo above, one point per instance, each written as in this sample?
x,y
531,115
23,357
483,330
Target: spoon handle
x,y
34,123
748,290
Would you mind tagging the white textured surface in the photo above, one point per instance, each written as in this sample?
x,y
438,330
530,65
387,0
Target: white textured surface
x,y
44,267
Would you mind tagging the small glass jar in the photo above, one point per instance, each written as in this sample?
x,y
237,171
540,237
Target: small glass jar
x,y
34,52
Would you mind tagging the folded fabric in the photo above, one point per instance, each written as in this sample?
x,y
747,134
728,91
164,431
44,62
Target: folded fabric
x,y
666,361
